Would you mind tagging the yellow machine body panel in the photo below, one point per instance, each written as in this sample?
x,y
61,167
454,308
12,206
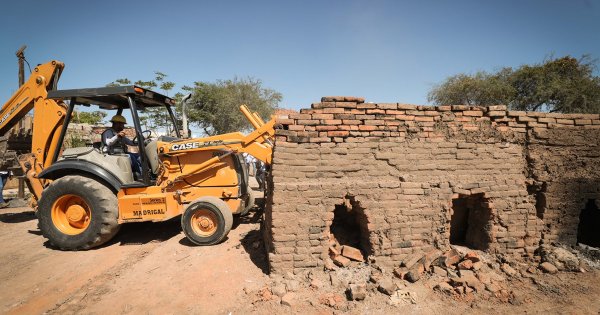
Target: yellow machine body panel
x,y
143,205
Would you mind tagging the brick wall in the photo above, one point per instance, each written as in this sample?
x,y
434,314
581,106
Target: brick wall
x,y
498,180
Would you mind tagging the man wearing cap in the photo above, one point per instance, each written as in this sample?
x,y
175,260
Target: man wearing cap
x,y
114,141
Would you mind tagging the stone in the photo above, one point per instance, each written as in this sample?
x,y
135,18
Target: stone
x,y
411,260
474,283
352,253
484,277
466,273
493,287
458,281
508,270
279,289
332,300
288,299
451,257
440,271
403,297
265,294
477,265
465,265
412,276
472,256
444,287
459,289
329,265
292,285
560,258
386,286
400,272
430,257
358,292
316,284
375,276
548,268
341,261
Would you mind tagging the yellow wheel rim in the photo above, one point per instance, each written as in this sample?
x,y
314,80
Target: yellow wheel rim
x,y
204,222
71,214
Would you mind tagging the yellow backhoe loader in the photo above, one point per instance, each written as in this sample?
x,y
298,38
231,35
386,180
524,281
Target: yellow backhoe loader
x,y
82,195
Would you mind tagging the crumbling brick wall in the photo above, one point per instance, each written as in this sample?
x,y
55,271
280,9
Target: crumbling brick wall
x,y
410,171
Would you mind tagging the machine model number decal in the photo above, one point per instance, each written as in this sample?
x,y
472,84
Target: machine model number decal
x,y
194,145
139,213
153,201
12,110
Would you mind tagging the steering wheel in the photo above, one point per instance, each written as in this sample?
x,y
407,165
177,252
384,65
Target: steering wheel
x,y
146,133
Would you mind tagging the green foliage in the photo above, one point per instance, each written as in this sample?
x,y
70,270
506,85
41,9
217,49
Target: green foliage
x,y
558,85
152,118
119,82
214,107
92,118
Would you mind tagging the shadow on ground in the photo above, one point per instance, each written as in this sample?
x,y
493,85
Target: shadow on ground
x,y
145,232
17,217
253,240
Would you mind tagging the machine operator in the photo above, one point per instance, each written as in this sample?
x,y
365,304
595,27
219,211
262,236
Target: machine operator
x,y
115,141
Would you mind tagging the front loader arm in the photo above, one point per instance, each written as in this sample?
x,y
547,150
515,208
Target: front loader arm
x,y
48,117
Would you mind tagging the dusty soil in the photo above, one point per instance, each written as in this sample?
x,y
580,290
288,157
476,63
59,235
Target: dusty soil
x,y
152,268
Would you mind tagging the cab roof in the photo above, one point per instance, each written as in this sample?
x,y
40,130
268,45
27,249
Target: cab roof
x,y
115,97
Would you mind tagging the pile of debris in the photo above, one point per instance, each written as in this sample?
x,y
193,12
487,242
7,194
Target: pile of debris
x,y
459,273
343,255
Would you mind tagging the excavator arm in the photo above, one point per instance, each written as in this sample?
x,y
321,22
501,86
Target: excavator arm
x,y
48,117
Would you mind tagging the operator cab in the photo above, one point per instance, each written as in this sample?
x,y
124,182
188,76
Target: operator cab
x,y
119,100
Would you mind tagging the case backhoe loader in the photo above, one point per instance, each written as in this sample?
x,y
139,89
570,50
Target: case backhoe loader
x,y
82,195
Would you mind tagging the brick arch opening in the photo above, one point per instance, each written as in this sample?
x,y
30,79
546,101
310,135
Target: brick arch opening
x,y
589,223
471,222
350,228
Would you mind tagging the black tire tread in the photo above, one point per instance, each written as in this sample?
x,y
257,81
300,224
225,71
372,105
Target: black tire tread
x,y
225,211
105,205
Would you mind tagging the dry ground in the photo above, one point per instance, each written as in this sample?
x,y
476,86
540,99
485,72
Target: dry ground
x,y
151,268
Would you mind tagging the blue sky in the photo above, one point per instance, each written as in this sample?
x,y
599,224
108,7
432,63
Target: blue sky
x,y
385,51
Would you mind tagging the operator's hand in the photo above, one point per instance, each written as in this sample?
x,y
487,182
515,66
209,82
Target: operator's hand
x,y
121,134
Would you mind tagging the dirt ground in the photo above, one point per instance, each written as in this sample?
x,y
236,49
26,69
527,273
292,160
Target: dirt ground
x,y
151,268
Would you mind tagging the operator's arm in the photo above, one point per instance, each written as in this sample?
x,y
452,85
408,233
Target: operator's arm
x,y
127,141
109,137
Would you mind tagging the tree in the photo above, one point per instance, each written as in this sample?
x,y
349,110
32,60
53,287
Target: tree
x,y
152,118
565,85
92,118
214,107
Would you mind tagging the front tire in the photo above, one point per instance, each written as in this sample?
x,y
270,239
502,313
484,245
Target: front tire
x,y
207,221
77,212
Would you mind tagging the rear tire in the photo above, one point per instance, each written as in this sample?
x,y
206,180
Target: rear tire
x,y
77,212
249,204
207,221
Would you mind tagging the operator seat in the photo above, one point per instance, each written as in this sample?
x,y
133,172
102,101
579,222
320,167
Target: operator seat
x,y
152,154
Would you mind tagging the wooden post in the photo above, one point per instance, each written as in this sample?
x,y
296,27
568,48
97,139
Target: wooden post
x,y
21,55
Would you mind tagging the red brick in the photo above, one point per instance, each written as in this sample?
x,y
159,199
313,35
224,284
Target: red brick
x,y
352,253
332,122
322,116
326,128
338,133
405,117
423,118
465,265
367,128
341,261
475,113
